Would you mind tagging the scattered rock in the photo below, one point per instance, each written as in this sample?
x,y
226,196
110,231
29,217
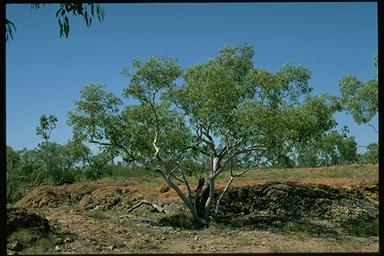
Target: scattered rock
x,y
57,248
317,209
163,238
59,241
10,252
14,246
111,247
276,222
196,238
67,240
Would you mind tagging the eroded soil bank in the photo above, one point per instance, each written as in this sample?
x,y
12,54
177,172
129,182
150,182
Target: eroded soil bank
x,y
92,217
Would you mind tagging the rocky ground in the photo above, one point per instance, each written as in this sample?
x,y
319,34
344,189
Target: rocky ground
x,y
278,216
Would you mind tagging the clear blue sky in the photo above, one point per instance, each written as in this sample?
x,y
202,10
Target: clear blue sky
x,y
44,73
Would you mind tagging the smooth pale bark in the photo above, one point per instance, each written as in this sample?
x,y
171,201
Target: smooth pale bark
x,y
142,202
222,194
187,202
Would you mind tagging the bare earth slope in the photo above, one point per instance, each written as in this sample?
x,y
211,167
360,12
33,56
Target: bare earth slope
x,y
308,210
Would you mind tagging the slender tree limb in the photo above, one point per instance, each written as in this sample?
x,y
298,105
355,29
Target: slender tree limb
x,y
152,104
250,148
178,179
199,132
154,145
233,176
166,174
113,144
205,132
374,128
222,193
238,152
198,149
187,184
228,147
187,202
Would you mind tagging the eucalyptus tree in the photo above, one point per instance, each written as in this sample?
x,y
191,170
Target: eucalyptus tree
x,y
98,164
360,99
332,148
64,160
12,180
371,155
215,112
23,171
46,125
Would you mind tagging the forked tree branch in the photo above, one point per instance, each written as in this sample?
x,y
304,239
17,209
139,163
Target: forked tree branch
x,y
115,144
166,174
198,149
238,152
187,185
199,132
228,147
233,176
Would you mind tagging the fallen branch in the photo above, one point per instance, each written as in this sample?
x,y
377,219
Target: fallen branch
x,y
155,206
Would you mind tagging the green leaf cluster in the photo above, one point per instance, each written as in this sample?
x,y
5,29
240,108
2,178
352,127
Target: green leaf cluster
x,y
10,28
360,99
95,113
88,11
46,125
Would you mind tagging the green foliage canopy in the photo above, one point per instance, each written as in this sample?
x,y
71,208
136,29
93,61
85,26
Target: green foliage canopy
x,y
213,112
225,97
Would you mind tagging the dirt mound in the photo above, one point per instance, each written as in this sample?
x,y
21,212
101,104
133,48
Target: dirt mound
x,y
101,195
54,196
20,218
107,198
87,195
318,209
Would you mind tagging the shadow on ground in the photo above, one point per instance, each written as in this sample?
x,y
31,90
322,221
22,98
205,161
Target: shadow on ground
x,y
316,210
